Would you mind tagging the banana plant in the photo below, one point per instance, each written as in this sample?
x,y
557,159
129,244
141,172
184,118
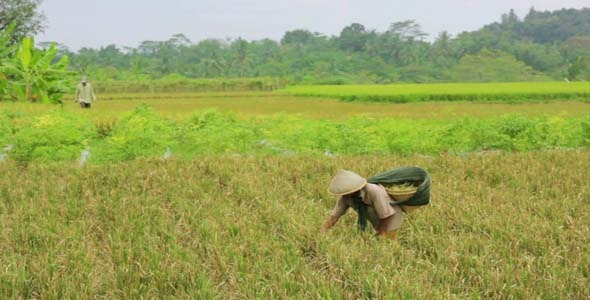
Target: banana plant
x,y
33,77
5,50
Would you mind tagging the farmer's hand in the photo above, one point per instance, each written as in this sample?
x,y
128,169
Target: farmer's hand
x,y
329,223
384,225
389,235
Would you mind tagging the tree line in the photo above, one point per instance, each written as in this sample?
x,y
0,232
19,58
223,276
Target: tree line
x,y
543,45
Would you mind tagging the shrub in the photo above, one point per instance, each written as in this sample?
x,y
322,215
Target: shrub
x,y
210,131
52,137
139,134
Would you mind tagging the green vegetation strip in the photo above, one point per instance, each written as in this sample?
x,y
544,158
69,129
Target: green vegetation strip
x,y
61,135
225,227
494,92
185,85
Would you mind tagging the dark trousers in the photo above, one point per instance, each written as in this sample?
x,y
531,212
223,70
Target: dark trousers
x,y
84,105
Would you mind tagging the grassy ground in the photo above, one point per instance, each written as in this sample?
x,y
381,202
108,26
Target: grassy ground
x,y
500,226
247,104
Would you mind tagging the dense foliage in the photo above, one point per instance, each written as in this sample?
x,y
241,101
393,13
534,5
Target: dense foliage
x,y
540,46
142,133
52,137
31,74
23,16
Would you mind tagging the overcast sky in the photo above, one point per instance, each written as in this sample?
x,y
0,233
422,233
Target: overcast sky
x,y
95,23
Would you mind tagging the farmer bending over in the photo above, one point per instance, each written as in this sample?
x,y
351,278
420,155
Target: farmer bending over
x,y
85,93
371,201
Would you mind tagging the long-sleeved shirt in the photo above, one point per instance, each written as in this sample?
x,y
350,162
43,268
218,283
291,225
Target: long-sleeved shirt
x,y
376,197
85,93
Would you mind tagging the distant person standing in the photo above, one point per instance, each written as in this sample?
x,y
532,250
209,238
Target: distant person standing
x,y
85,93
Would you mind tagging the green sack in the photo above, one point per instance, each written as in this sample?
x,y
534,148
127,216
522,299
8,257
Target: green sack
x,y
415,176
404,175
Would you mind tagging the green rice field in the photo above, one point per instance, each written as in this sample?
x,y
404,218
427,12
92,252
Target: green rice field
x,y
513,92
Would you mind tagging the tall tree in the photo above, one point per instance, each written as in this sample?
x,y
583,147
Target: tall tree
x,y
240,57
298,37
442,53
400,45
24,15
354,37
407,30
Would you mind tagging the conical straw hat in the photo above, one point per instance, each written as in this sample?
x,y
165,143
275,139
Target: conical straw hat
x,y
346,182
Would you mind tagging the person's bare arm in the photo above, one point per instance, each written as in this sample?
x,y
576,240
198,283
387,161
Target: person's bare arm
x,y
329,223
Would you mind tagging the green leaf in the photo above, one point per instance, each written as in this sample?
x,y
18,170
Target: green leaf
x,y
20,92
33,68
5,37
44,97
25,52
45,61
63,62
